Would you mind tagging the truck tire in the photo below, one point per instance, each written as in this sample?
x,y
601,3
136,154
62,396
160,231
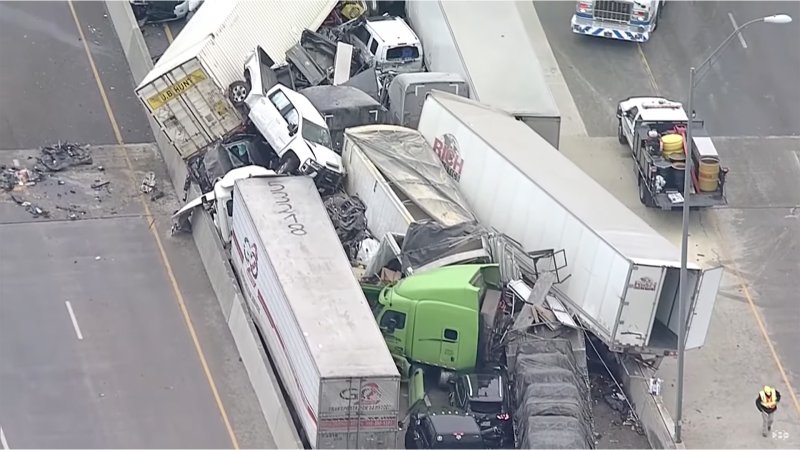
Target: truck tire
x,y
644,195
289,164
657,18
620,133
237,92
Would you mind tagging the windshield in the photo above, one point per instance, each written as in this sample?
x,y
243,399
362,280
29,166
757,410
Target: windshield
x,y
485,407
316,134
402,53
377,308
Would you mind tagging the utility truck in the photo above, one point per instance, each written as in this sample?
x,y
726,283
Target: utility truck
x,y
622,277
654,129
627,20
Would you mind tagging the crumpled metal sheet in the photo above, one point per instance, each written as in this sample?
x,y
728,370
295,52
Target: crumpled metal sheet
x,y
349,221
55,158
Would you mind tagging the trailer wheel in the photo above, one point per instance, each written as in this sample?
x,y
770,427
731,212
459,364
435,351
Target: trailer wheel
x,y
621,134
237,92
644,195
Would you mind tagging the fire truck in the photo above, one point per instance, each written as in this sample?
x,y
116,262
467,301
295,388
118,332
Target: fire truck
x,y
627,20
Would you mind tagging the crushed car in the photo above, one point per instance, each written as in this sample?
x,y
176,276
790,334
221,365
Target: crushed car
x,y
486,395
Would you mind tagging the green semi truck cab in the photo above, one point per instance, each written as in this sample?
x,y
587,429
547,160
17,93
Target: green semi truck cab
x,y
433,318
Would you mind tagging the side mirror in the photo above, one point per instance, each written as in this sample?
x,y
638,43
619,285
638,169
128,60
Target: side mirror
x,y
292,130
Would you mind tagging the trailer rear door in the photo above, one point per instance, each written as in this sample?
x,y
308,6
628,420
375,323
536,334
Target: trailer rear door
x,y
700,319
638,307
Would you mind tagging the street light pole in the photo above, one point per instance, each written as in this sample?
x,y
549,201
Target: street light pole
x,y
687,184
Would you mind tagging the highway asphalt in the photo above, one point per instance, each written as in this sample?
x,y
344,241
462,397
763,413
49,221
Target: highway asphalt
x,y
110,334
750,102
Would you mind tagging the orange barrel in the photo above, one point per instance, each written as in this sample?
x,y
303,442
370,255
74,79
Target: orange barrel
x,y
671,144
678,174
708,174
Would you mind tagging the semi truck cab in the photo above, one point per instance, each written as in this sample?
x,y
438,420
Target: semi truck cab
x,y
432,318
627,20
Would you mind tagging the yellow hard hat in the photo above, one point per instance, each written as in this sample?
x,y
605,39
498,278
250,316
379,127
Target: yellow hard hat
x,y
768,390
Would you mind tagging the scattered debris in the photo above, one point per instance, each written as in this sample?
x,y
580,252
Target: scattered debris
x,y
148,183
16,176
149,187
58,157
98,184
348,216
34,210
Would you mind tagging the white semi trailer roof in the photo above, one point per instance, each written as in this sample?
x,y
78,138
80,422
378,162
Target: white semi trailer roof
x,y
327,303
623,274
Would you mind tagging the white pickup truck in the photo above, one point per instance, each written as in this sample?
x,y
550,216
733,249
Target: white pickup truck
x,y
291,125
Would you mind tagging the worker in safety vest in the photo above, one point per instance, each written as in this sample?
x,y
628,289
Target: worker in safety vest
x,y
767,403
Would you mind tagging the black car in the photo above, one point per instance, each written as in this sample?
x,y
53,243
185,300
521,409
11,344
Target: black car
x,y
486,395
446,429
237,151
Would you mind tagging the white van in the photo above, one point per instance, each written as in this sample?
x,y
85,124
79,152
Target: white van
x,y
290,124
391,43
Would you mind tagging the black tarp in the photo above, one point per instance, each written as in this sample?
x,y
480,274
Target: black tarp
x,y
553,409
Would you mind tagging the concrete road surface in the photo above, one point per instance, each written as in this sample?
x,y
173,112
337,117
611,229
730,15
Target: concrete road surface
x,y
749,100
110,335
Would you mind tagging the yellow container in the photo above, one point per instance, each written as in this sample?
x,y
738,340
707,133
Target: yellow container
x,y
671,143
708,174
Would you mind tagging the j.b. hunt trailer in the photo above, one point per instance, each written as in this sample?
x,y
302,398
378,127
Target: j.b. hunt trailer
x,y
325,345
623,275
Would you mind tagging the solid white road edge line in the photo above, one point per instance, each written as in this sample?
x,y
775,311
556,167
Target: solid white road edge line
x,y
739,34
74,320
3,441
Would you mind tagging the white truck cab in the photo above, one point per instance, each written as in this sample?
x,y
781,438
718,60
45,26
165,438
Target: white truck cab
x,y
290,124
391,43
627,20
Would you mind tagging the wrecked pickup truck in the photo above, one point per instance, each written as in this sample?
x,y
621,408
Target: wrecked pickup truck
x,y
185,93
289,122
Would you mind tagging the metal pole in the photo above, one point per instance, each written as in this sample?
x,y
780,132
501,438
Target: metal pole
x,y
683,301
684,276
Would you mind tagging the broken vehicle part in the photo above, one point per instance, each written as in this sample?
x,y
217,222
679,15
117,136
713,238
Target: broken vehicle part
x,y
237,151
58,157
34,210
148,183
349,221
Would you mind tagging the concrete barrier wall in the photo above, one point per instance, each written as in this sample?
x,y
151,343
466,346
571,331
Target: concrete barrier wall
x,y
653,415
212,253
236,312
140,63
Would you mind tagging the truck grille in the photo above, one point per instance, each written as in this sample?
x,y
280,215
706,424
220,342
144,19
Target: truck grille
x,y
612,11
327,179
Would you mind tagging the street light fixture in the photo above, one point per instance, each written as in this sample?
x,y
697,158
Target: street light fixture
x,y
687,183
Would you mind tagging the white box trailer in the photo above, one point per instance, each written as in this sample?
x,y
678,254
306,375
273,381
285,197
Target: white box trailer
x,y
487,43
413,186
185,92
317,324
623,280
